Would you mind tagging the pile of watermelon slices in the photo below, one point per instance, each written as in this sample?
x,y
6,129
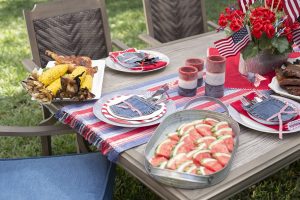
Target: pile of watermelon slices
x,y
201,147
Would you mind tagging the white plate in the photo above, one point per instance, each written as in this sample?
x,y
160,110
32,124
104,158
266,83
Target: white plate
x,y
274,85
111,64
119,99
257,126
97,79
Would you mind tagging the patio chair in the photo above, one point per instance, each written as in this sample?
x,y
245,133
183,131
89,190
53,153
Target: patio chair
x,y
71,177
172,20
67,27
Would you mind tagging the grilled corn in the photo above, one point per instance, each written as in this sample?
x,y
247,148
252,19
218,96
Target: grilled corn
x,y
87,83
54,86
80,70
52,74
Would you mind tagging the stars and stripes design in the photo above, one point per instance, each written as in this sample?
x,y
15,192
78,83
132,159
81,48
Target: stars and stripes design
x,y
296,36
292,9
232,45
244,4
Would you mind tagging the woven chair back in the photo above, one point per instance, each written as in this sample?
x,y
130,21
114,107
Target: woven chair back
x,y
68,27
171,20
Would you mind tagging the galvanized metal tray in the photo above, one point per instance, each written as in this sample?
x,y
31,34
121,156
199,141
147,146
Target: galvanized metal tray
x,y
170,124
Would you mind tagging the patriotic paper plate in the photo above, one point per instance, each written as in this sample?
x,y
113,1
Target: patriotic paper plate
x,y
101,112
119,99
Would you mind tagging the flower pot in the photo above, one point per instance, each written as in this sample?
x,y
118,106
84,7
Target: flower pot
x,y
262,63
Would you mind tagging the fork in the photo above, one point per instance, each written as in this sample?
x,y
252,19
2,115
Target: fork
x,y
245,102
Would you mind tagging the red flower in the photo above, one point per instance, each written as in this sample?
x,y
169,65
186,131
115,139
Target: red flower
x,y
222,20
236,25
270,30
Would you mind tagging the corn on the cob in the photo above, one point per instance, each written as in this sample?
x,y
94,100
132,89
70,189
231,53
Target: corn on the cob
x,y
54,86
87,83
52,74
80,70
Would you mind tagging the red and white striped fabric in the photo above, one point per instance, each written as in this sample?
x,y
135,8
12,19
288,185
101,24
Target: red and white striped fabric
x,y
244,4
112,140
292,9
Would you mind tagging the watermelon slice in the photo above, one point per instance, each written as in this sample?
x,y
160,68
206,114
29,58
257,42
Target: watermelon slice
x,y
157,160
207,140
204,171
165,148
191,153
173,136
218,146
197,157
188,141
192,169
228,140
204,129
210,121
193,132
222,158
183,128
184,166
220,125
224,131
211,164
163,165
177,160
180,148
202,146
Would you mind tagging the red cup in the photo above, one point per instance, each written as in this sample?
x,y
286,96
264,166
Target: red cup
x,y
195,62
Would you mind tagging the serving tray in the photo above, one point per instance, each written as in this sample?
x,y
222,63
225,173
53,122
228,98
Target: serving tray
x,y
169,125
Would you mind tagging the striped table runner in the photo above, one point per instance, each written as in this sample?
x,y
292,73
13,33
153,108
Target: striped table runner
x,y
112,140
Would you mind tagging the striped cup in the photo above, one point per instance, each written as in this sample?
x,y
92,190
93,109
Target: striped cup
x,y
187,83
215,76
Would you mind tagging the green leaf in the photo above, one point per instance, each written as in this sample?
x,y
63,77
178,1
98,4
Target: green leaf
x,y
264,42
281,44
250,51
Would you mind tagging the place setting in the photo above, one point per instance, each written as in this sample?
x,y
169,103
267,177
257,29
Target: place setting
x,y
135,108
136,61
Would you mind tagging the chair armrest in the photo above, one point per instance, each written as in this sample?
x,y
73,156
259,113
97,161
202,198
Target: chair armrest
x,y
212,24
119,44
34,130
149,40
29,65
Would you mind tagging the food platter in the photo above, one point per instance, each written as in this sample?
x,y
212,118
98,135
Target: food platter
x,y
274,85
174,123
250,123
97,80
115,66
101,105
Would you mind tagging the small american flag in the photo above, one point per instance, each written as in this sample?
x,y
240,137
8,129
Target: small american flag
x,y
292,9
232,45
296,36
244,4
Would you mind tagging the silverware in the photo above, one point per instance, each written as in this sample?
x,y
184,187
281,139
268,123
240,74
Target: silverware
x,y
245,101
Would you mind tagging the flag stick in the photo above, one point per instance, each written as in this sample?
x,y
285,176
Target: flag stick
x,y
277,5
272,5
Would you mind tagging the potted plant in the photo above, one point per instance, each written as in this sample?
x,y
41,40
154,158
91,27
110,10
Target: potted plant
x,y
270,34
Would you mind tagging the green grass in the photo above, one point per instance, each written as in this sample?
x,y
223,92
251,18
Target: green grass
x,y
126,22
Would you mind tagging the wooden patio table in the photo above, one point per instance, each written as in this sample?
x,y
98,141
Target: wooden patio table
x,y
259,154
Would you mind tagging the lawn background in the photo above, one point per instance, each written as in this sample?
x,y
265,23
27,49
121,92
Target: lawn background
x,y
126,22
